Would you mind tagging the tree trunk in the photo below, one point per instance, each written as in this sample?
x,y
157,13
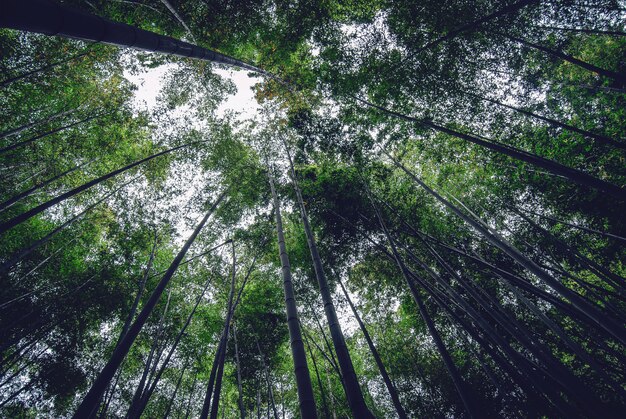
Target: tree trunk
x,y
21,254
139,391
449,363
47,133
381,367
29,125
301,369
551,166
4,227
593,313
620,78
140,290
44,16
145,397
319,380
599,138
227,325
171,401
353,390
43,184
98,387
477,23
242,407
8,81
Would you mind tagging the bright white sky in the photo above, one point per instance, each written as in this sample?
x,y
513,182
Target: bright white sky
x,y
149,85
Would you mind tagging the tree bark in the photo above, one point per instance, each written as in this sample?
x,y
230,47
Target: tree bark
x,y
242,407
301,369
353,389
98,387
551,166
30,191
593,313
4,227
381,367
47,17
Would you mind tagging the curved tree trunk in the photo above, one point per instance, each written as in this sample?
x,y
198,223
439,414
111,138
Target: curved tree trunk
x,y
620,78
477,23
30,191
599,138
551,166
229,315
93,396
445,355
50,18
592,312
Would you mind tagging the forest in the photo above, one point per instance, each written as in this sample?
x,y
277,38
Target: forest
x,y
424,216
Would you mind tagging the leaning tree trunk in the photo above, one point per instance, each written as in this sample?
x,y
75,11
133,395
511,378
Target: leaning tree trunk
x,y
381,367
173,397
47,133
93,396
592,312
353,389
319,380
140,290
134,403
21,254
301,369
30,191
242,407
445,355
598,137
229,315
145,397
574,175
29,125
50,18
8,81
4,227
620,78
477,23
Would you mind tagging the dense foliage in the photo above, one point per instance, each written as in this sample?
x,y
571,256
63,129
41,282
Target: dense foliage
x,y
449,178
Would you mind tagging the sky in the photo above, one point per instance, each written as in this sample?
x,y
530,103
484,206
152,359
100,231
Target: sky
x,y
149,84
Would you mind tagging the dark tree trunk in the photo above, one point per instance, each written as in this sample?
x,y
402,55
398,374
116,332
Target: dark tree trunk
x,y
145,379
599,138
512,8
353,389
381,367
447,359
21,254
98,387
227,324
319,380
592,312
145,397
301,369
551,166
242,407
620,78
140,289
173,397
29,125
6,82
4,227
47,133
47,17
35,188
